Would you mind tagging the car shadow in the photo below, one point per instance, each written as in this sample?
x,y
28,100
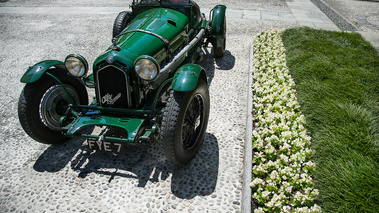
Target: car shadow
x,y
210,63
227,62
200,176
56,157
142,162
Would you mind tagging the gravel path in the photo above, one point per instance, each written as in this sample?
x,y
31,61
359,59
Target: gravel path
x,y
70,178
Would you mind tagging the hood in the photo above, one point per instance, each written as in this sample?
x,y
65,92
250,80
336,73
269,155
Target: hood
x,y
163,21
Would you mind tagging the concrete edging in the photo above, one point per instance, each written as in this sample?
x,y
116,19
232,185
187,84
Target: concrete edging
x,y
335,16
248,157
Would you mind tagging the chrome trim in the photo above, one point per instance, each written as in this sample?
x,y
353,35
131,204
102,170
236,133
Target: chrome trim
x,y
184,50
165,41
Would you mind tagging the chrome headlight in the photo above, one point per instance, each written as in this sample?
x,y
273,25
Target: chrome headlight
x,y
146,67
76,65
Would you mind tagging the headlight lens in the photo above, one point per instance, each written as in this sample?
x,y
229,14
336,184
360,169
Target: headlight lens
x,y
76,65
146,67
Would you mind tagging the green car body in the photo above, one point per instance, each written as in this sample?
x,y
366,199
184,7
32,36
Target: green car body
x,y
164,41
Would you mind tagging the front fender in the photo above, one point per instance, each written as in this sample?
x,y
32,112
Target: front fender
x,y
217,23
36,71
187,76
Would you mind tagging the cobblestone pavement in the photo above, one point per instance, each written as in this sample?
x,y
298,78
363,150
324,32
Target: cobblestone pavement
x,y
363,14
351,15
70,178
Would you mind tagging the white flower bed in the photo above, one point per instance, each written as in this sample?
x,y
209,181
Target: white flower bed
x,y
282,168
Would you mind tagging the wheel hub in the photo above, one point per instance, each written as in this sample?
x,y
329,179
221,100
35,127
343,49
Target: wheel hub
x,y
54,104
197,122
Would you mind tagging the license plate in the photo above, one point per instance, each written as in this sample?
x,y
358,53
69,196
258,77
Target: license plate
x,y
104,145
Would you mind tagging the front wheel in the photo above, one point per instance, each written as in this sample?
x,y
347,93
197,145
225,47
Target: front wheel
x,y
184,123
43,103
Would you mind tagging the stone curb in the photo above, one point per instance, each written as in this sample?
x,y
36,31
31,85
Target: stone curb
x,y
335,16
247,165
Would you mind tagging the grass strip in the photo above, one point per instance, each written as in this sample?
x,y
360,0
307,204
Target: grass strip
x,y
337,81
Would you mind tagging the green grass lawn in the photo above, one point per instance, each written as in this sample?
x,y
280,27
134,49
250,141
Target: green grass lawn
x,y
337,81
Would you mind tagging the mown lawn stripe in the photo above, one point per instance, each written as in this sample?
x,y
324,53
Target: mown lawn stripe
x,y
337,83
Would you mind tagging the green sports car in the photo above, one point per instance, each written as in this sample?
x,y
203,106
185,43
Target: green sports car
x,y
147,86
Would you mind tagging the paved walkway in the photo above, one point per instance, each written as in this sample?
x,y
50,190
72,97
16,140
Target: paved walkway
x,y
307,14
303,11
36,177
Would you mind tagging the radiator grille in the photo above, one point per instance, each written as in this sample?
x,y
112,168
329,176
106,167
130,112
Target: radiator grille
x,y
112,87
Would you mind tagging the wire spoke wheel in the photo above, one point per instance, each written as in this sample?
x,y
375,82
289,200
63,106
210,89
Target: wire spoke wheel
x,y
193,122
184,123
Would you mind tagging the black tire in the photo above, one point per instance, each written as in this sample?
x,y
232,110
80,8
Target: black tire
x,y
43,102
122,20
184,123
220,51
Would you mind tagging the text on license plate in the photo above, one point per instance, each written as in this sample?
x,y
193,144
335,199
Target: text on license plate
x,y
104,145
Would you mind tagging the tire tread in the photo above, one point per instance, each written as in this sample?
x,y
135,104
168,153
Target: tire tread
x,y
29,101
171,133
121,22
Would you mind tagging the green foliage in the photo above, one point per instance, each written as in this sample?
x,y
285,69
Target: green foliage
x,y
282,165
337,80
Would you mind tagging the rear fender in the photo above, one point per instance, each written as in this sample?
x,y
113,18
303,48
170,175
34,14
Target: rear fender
x,y
36,71
218,33
187,76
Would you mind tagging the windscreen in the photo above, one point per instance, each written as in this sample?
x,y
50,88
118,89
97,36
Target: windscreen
x,y
175,1
156,2
146,2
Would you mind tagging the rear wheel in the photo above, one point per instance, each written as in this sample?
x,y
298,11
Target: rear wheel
x,y
184,123
122,20
219,51
43,103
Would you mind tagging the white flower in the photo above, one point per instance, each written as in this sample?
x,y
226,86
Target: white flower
x,y
316,208
270,149
286,209
286,135
285,146
259,210
302,210
315,192
256,196
265,194
256,182
279,125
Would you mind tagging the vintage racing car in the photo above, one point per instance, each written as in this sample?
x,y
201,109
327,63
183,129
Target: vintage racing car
x,y
147,85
